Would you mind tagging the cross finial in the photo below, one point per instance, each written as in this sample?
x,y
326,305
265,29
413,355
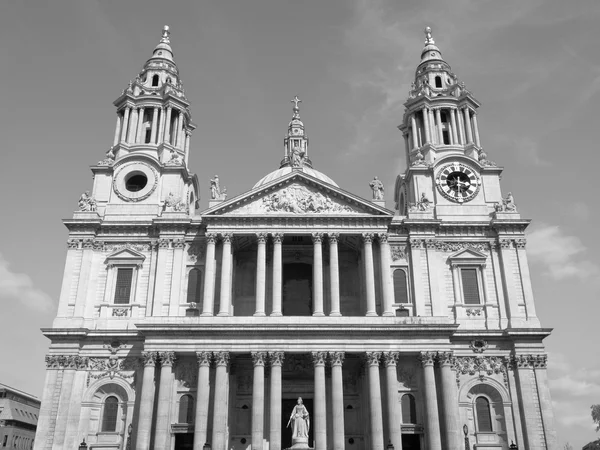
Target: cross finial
x,y
295,101
428,38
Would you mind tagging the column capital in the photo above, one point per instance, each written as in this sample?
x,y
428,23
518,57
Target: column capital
x,y
261,237
333,237
505,242
317,238
204,358
276,358
368,238
416,243
221,358
372,358
520,243
258,358
277,237
319,358
336,358
227,237
167,358
211,238
427,358
383,238
149,358
446,359
391,358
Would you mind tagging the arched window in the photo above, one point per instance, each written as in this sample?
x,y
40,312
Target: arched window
x,y
155,80
484,418
186,409
409,409
438,82
109,416
400,286
194,286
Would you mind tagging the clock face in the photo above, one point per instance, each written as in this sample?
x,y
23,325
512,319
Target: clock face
x,y
458,182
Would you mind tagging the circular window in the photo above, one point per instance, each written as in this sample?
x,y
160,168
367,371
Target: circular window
x,y
136,182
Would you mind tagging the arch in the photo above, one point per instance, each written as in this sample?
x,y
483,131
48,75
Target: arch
x,y
438,81
110,411
194,288
401,286
186,409
102,388
155,80
409,409
493,389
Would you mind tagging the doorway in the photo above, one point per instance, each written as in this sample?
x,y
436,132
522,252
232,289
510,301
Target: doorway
x,y
297,289
287,405
411,442
184,441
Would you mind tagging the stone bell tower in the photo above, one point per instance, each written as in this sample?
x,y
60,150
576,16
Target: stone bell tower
x,y
145,172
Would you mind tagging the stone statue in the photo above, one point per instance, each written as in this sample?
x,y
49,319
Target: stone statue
x,y
424,203
507,205
86,202
300,422
173,203
175,159
297,157
215,189
377,188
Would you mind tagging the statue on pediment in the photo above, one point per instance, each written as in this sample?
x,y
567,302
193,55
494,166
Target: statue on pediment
x,y
377,188
86,202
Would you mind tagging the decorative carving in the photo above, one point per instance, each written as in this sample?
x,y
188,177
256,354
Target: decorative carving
x,y
372,358
195,251
319,358
112,366
88,244
186,374
120,312
211,238
391,358
221,358
298,364
261,237
73,243
149,358
483,159
215,189
398,252
175,204
505,243
116,247
227,237
53,361
167,358
175,159
179,243
377,188
277,238
336,358
481,366
474,312
520,243
406,377
523,361
422,205
430,244
540,361
296,199
478,345
507,205
164,243
416,243
427,358
368,238
297,157
317,238
419,159
276,358
258,358
446,358
87,203
456,246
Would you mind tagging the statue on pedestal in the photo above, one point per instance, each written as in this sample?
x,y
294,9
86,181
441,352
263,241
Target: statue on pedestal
x,y
300,421
377,188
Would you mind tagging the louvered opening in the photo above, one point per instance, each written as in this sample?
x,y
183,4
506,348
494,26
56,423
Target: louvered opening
x,y
109,417
123,287
470,287
400,287
484,418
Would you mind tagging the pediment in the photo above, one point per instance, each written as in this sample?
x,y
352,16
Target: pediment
x,y
468,256
297,194
125,256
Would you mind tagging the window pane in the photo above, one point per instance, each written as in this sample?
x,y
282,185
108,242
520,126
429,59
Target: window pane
x,y
400,287
194,285
123,287
409,410
109,418
484,419
186,409
470,286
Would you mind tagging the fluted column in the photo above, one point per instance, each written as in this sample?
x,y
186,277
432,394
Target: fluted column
x,y
258,399
276,359
165,388
476,130
175,130
144,427
426,125
202,399
161,126
132,127
450,397
432,128
138,134
453,123
221,403
334,274
209,276
369,273
320,419
467,116
125,124
432,419
117,130
386,275
376,414
413,127
154,125
438,119
393,414
225,304
317,238
277,273
167,132
337,399
187,146
461,130
261,274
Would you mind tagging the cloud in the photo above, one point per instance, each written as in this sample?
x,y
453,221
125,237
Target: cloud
x,y
560,254
19,287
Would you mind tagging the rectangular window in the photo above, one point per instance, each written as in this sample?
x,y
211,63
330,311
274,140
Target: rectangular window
x,y
470,287
123,286
4,440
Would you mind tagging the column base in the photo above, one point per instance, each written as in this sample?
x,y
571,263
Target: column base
x,y
318,314
371,314
206,314
223,314
259,314
389,314
276,314
335,314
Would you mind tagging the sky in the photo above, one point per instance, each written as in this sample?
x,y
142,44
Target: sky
x,y
534,65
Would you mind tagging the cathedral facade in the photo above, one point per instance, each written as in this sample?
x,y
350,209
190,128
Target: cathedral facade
x,y
413,328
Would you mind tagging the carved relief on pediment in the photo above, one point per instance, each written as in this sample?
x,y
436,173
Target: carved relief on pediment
x,y
296,199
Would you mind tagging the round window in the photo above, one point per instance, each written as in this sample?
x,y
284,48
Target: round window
x,y
136,182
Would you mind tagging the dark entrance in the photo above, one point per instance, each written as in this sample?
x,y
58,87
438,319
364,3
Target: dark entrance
x,y
411,442
184,441
287,405
297,289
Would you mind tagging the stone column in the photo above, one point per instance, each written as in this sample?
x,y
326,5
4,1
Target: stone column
x,y
459,123
161,126
453,123
187,146
140,124
450,400
180,135
117,130
317,238
376,416
209,275
526,280
516,410
144,427
202,399
165,389
125,124
369,273
277,273
225,304
393,414
467,116
426,125
167,132
46,408
261,273
320,419
276,359
337,399
438,119
432,419
476,130
133,123
154,125
334,274
413,126
258,399
175,130
541,377
221,405
456,286
386,275
531,415
433,128
70,366
515,316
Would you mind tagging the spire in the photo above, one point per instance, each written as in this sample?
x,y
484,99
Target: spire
x,y
163,50
296,141
430,51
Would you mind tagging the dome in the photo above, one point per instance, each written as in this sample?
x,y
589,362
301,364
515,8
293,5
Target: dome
x,y
287,169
